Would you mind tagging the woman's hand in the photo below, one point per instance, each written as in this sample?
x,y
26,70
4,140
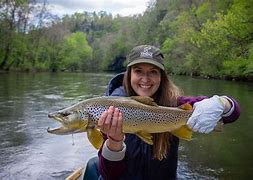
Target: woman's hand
x,y
207,113
110,124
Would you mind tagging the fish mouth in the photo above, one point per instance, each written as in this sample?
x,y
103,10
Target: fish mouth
x,y
55,117
58,116
58,130
64,129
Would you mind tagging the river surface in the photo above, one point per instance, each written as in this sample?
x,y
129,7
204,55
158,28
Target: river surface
x,y
27,151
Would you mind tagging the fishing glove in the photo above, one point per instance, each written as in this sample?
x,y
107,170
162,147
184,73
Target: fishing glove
x,y
206,114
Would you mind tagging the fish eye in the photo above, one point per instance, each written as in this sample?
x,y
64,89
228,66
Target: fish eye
x,y
65,113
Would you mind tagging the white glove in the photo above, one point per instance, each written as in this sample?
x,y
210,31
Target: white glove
x,y
206,114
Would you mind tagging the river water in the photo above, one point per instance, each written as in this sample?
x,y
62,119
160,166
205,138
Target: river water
x,y
27,151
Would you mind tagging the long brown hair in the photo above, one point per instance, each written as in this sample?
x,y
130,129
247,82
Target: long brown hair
x,y
166,95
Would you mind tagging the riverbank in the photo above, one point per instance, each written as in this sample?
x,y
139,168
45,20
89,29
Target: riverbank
x,y
227,78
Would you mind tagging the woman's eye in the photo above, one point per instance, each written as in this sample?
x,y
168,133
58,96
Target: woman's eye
x,y
137,71
154,72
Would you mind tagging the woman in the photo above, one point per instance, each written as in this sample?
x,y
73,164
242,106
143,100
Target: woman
x,y
125,156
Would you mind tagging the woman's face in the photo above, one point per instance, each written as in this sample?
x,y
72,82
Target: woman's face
x,y
145,79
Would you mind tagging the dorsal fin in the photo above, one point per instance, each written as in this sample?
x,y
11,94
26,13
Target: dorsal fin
x,y
144,100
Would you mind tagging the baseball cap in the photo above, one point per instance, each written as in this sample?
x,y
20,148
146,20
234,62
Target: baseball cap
x,y
145,54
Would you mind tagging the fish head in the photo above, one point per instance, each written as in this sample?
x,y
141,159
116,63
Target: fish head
x,y
72,121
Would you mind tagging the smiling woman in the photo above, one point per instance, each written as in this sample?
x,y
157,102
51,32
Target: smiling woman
x,y
114,7
124,155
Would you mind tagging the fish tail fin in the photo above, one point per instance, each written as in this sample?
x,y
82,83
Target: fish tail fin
x,y
95,137
183,133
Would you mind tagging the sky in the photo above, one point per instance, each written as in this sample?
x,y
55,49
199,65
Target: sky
x,y
121,7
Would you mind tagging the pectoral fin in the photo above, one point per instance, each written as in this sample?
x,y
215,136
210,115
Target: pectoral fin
x,y
95,137
146,137
183,133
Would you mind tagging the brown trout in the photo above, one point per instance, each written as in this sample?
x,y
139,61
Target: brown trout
x,y
141,116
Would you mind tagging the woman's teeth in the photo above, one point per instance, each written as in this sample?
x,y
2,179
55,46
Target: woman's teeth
x,y
145,86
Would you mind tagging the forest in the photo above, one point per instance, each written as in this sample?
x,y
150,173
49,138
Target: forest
x,y
207,38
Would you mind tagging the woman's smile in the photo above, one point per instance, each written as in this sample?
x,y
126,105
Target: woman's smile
x,y
145,86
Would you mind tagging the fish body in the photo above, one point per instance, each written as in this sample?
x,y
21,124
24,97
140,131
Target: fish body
x,y
141,116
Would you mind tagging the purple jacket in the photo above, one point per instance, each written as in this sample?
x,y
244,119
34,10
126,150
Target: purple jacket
x,y
137,162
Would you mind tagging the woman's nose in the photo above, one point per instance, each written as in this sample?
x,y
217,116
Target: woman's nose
x,y
145,77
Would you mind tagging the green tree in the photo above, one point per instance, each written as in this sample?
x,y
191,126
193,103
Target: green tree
x,y
16,17
75,52
226,39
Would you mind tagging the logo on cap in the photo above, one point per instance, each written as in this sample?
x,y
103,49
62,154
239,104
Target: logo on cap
x,y
145,53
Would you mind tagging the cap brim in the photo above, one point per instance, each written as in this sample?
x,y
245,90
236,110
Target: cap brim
x,y
149,61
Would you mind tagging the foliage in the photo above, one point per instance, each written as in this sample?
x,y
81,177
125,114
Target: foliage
x,y
75,52
226,39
